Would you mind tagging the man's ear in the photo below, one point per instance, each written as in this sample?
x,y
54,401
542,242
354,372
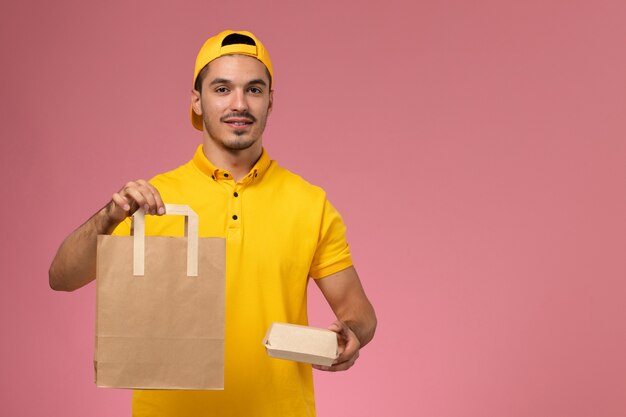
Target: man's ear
x,y
196,105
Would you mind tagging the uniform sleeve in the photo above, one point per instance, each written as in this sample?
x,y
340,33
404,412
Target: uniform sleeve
x,y
333,253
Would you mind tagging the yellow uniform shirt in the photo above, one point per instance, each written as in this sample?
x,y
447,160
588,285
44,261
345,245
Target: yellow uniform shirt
x,y
279,230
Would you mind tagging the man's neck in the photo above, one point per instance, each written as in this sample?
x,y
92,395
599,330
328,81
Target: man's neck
x,y
237,162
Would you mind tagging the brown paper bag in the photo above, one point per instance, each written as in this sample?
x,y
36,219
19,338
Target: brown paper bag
x,y
160,309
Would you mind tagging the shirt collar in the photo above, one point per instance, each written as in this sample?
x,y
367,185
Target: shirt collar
x,y
207,167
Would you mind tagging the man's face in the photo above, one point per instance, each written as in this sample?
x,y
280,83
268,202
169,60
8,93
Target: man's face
x,y
235,102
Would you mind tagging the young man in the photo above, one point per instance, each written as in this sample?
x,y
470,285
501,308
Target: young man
x,y
279,231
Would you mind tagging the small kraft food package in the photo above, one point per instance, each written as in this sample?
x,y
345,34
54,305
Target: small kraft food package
x,y
301,344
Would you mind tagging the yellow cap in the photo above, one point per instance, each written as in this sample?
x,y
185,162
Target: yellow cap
x,y
229,42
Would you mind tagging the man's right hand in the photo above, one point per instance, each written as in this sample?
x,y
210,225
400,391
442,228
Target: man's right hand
x,y
133,195
75,262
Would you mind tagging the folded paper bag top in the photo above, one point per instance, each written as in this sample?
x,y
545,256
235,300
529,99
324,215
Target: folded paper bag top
x,y
301,343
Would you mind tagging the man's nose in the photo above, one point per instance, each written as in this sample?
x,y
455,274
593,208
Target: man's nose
x,y
239,102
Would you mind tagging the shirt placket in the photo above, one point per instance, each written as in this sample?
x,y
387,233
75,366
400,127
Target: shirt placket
x,y
234,216
234,211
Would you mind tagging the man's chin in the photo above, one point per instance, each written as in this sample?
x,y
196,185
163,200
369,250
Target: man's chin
x,y
239,144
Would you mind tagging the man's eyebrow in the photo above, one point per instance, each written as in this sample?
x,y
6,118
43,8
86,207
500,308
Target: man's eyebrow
x,y
220,81
258,81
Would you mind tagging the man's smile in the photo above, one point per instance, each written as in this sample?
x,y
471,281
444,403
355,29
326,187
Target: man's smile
x,y
239,121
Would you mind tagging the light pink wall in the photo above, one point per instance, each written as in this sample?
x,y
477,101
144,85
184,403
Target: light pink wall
x,y
476,150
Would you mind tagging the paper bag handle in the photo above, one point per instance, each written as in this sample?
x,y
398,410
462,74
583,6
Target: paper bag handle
x,y
191,232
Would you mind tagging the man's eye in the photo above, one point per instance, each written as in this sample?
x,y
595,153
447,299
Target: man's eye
x,y
221,90
255,90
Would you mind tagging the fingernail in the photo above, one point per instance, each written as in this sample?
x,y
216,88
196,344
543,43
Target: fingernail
x,y
146,207
161,210
126,207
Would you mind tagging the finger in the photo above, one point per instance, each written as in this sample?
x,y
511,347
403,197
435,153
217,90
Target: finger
x,y
160,206
336,327
121,202
118,208
135,198
141,193
147,192
342,331
154,204
345,365
348,351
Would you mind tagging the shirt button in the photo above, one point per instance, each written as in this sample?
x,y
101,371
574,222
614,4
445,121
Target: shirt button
x,y
234,217
236,194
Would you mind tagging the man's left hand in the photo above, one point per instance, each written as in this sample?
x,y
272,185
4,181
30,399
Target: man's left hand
x,y
349,346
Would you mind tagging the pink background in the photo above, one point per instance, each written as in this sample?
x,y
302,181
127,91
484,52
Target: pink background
x,y
475,148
